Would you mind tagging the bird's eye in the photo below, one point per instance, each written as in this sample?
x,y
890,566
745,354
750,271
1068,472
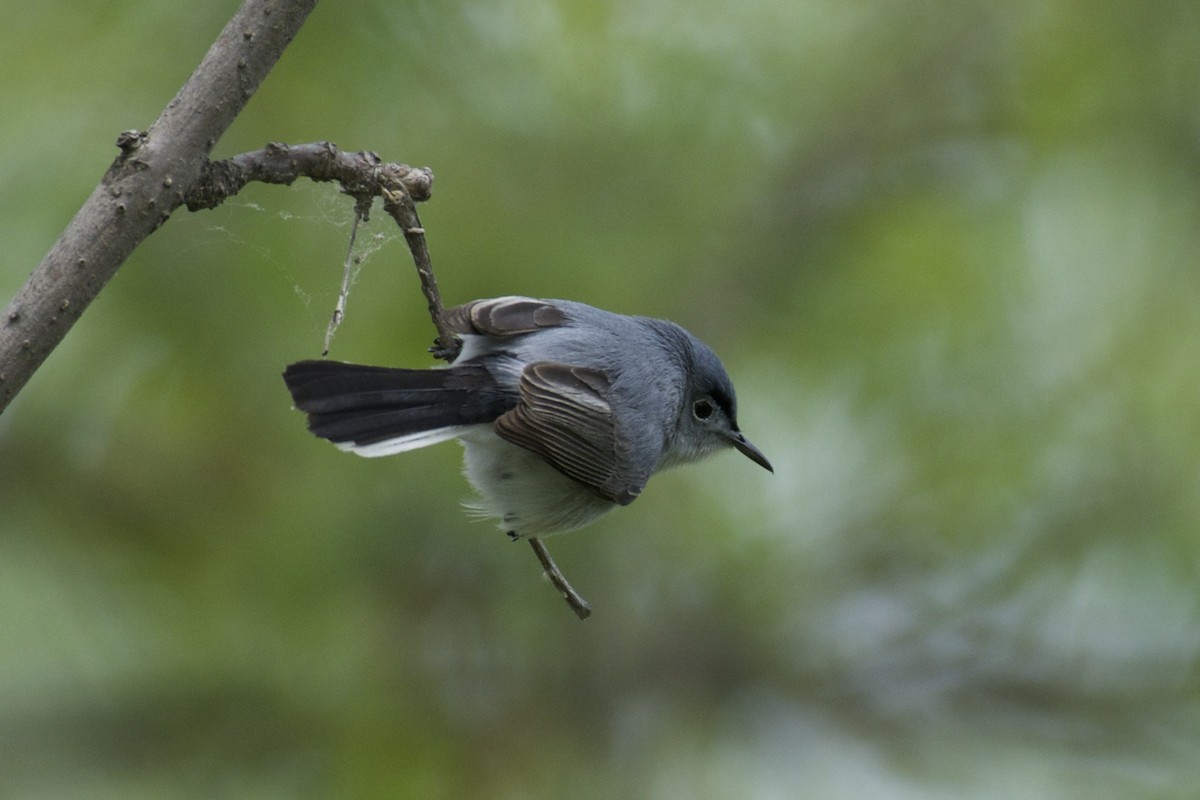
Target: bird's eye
x,y
703,409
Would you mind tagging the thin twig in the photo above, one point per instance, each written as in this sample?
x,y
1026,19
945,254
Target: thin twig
x,y
399,204
339,309
580,606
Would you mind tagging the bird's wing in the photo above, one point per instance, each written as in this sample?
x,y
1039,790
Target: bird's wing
x,y
565,417
503,316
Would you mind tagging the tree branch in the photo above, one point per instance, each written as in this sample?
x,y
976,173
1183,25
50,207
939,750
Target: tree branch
x,y
363,175
400,204
141,189
575,600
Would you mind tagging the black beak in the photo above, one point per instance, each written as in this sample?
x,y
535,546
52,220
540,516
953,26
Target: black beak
x,y
750,451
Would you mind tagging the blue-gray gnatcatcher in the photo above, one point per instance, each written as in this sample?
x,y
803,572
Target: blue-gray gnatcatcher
x,y
565,411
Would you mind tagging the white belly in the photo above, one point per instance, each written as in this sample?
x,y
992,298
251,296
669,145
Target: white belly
x,y
527,495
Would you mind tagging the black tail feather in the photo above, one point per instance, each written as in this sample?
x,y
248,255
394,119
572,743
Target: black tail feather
x,y
363,405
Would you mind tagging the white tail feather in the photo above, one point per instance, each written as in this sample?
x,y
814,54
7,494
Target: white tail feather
x,y
402,444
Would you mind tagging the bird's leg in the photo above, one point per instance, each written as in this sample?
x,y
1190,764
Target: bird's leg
x,y
573,598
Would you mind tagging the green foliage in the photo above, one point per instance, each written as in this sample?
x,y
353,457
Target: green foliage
x,y
947,251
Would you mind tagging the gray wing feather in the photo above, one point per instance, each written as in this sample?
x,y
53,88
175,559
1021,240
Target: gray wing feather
x,y
503,316
565,417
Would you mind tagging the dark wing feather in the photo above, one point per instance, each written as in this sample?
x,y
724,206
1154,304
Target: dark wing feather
x,y
503,316
565,417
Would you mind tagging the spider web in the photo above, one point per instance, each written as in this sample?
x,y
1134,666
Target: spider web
x,y
249,224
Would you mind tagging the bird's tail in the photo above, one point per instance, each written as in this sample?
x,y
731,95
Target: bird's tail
x,y
377,411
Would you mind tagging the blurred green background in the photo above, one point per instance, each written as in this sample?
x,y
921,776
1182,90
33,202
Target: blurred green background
x,y
948,252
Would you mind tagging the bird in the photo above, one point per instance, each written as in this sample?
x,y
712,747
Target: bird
x,y
564,410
